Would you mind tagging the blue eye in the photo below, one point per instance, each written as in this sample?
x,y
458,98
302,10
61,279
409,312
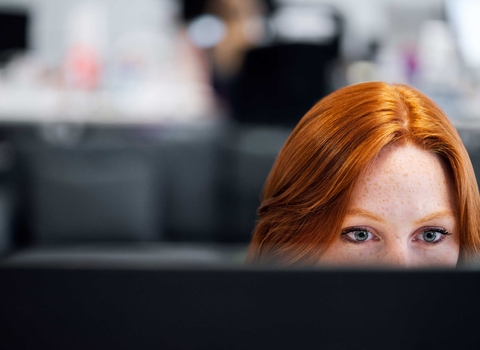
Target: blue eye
x,y
430,236
357,235
433,235
360,235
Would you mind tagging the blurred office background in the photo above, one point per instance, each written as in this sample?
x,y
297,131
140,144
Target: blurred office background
x,y
143,131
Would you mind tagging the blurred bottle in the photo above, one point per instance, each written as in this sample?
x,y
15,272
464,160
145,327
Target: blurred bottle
x,y
86,40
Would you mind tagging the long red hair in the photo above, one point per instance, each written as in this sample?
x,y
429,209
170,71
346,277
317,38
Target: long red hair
x,y
307,193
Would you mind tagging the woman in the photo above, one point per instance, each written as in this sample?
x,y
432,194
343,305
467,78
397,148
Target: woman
x,y
374,174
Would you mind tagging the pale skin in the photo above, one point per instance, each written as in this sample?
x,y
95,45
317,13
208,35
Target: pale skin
x,y
402,214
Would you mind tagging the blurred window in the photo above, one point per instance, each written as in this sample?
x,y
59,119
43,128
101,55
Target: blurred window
x,y
463,16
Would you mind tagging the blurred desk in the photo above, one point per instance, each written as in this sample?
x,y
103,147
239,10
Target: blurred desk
x,y
139,255
162,104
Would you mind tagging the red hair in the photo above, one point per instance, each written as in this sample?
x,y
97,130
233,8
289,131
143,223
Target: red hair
x,y
307,193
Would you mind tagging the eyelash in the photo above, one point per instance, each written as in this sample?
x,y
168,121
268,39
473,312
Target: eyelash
x,y
440,230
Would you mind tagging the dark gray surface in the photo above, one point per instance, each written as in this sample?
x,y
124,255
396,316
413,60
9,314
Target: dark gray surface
x,y
238,309
127,255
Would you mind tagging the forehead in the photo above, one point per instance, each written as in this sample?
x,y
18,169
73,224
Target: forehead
x,y
405,173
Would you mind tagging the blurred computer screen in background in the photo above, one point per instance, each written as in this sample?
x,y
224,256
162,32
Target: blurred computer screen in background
x,y
14,25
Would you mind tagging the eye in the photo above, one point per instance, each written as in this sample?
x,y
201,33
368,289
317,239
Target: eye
x,y
357,235
433,235
430,236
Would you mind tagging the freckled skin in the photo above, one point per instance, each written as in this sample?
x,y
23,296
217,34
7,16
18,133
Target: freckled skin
x,y
402,187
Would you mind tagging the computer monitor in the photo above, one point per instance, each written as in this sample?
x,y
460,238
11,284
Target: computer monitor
x,y
14,33
237,308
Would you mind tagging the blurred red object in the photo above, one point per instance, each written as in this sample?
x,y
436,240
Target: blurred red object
x,y
82,68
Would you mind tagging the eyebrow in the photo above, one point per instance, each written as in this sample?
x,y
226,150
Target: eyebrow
x,y
365,213
372,216
436,215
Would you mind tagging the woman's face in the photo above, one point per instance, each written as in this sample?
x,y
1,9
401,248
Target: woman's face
x,y
402,213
